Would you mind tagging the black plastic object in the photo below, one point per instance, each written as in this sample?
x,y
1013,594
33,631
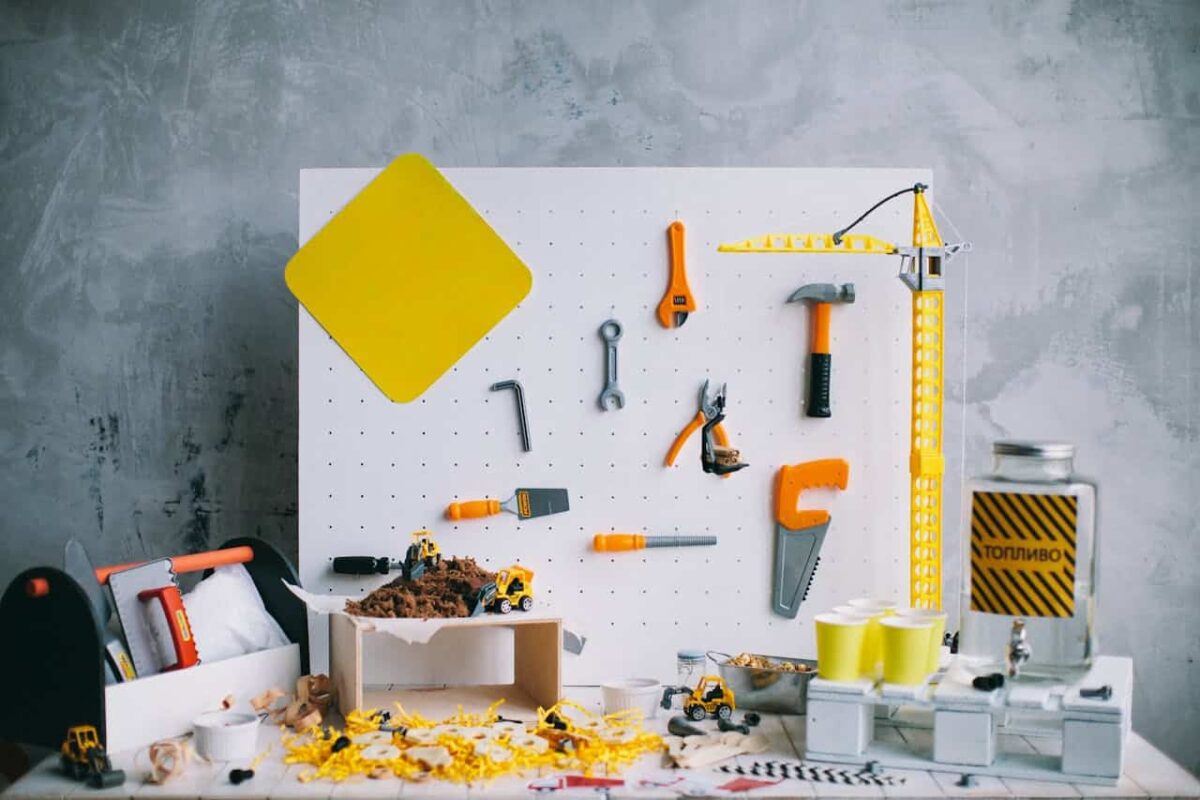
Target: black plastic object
x,y
725,726
988,683
237,776
339,744
820,365
679,726
751,718
361,565
54,660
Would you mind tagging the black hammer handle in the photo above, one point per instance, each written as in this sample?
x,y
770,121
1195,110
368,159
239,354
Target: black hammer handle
x,y
819,367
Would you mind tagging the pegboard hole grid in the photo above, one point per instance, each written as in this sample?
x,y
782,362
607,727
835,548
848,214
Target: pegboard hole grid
x,y
372,471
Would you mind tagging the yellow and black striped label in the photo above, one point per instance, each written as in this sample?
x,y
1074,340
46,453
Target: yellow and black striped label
x,y
1023,554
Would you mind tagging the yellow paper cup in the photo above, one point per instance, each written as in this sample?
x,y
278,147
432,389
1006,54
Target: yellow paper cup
x,y
874,605
872,649
905,650
938,619
839,646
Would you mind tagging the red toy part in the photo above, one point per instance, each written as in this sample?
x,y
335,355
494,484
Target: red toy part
x,y
172,630
745,784
556,782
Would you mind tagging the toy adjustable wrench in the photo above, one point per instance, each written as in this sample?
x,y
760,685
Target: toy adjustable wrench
x,y
799,533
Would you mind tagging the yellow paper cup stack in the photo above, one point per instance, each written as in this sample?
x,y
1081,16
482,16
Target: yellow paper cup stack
x,y
840,646
875,610
905,650
938,619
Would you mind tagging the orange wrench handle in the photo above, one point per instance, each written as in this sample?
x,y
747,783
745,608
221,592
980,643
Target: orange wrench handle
x,y
679,294
830,473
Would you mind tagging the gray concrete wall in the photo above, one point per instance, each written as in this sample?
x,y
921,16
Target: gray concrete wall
x,y
149,155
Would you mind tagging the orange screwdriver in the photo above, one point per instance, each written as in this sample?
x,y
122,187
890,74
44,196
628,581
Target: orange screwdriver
x,y
612,542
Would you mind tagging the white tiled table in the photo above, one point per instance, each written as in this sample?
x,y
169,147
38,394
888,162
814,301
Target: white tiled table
x,y
1148,773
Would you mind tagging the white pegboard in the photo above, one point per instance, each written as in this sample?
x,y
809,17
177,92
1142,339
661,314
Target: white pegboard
x,y
595,239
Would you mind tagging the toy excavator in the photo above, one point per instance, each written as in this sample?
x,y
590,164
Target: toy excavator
x,y
421,555
711,696
513,587
82,756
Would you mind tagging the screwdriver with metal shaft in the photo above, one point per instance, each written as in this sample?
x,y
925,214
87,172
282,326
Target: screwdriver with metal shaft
x,y
612,542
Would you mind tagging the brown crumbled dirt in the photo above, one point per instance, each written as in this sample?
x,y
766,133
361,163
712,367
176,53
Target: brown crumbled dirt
x,y
445,590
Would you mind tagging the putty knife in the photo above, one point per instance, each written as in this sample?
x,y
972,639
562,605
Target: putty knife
x,y
526,503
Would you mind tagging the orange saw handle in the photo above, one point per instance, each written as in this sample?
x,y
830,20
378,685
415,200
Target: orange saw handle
x,y
193,562
698,421
828,473
473,509
679,294
172,625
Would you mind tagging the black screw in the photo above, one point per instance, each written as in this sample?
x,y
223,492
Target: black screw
x,y
1099,693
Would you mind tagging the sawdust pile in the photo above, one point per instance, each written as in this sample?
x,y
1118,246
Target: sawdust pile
x,y
445,590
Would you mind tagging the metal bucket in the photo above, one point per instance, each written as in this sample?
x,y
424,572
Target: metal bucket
x,y
771,690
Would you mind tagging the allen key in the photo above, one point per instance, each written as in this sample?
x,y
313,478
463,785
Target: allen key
x,y
522,421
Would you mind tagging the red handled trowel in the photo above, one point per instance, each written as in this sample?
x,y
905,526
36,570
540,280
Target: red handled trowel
x,y
799,534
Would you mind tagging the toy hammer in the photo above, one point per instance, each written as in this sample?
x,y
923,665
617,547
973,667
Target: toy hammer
x,y
820,362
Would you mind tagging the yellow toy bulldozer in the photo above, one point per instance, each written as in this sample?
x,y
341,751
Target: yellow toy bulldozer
x,y
711,696
83,756
513,587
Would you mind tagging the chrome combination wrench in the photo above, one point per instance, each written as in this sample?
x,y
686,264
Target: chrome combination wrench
x,y
611,398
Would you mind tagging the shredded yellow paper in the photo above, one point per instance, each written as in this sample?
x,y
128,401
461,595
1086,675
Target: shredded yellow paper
x,y
481,746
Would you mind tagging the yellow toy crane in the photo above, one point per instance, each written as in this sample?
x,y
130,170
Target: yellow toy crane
x,y
921,270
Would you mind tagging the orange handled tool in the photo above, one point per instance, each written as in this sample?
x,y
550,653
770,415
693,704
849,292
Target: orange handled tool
x,y
799,533
820,360
473,509
828,473
678,302
614,542
525,503
693,426
172,631
193,562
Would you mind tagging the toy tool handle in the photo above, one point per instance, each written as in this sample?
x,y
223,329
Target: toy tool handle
x,y
173,625
820,363
828,473
613,542
193,562
473,509
361,565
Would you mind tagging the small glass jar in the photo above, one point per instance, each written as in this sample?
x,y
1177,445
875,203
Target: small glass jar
x,y
689,667
1029,564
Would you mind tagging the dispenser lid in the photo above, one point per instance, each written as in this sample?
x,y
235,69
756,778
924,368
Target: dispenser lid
x,y
1024,447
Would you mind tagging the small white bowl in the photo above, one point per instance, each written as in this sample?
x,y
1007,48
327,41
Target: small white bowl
x,y
643,693
226,735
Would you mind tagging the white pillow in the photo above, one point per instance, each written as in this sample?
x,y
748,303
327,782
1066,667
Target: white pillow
x,y
228,617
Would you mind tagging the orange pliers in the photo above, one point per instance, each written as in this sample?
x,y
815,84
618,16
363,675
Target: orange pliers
x,y
708,409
